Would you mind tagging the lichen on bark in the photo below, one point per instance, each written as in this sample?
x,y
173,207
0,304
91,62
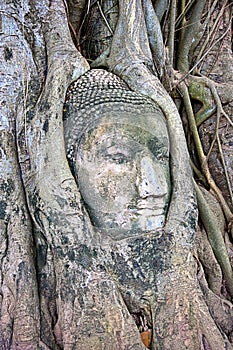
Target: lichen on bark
x,y
54,294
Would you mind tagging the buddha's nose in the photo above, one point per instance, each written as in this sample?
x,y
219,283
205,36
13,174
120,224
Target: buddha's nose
x,y
151,180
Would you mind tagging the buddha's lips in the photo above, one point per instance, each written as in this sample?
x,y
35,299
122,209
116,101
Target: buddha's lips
x,y
154,204
155,210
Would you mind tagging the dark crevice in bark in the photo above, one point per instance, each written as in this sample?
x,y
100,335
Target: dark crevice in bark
x,y
4,237
60,241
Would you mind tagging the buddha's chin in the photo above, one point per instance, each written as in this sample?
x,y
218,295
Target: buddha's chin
x,y
151,222
122,227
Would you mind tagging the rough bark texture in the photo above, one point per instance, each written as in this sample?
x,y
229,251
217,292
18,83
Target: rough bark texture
x,y
61,285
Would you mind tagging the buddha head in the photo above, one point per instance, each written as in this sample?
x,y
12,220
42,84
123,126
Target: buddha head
x,y
121,163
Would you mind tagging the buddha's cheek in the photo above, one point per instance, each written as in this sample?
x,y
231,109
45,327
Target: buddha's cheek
x,y
108,190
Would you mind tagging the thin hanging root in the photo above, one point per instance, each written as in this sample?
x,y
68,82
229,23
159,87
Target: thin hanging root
x,y
206,28
104,18
198,173
225,168
172,33
215,238
184,9
25,81
214,92
215,135
220,111
72,29
84,19
213,31
192,122
202,58
183,18
201,155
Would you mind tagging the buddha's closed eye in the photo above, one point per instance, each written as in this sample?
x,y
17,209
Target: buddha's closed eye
x,y
118,158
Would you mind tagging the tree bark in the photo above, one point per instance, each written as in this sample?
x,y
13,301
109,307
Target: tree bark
x,y
56,287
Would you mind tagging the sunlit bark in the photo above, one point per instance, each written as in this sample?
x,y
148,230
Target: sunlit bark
x,y
53,292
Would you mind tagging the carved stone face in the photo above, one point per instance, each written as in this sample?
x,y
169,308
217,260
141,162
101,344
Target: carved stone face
x,y
123,175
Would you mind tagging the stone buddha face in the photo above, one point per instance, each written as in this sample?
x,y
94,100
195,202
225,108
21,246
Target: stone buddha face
x,y
122,170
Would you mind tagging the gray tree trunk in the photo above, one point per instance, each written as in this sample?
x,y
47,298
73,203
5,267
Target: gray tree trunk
x,y
56,291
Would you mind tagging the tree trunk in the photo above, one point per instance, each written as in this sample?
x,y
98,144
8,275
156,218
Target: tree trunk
x,y
62,287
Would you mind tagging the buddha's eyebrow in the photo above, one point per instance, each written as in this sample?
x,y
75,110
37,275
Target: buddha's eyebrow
x,y
126,146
